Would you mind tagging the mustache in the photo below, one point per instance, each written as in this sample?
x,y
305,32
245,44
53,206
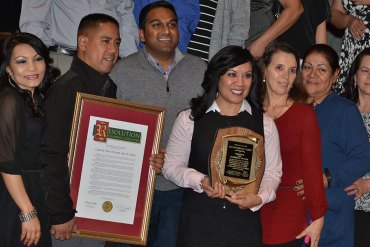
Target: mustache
x,y
164,36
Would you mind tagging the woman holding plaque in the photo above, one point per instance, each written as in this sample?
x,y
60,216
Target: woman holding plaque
x,y
25,70
209,216
345,147
283,98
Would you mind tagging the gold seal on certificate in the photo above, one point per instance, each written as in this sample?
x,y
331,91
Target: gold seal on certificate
x,y
107,206
238,159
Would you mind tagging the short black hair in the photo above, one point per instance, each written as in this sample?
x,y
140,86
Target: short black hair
x,y
327,51
93,20
154,5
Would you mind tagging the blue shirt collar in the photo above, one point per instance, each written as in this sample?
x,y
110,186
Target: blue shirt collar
x,y
156,64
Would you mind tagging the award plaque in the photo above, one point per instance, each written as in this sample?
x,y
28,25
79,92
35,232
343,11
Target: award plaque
x,y
238,160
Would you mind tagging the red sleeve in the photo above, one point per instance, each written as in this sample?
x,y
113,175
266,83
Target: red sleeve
x,y
311,165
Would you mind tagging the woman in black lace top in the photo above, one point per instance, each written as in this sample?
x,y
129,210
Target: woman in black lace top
x,y
24,71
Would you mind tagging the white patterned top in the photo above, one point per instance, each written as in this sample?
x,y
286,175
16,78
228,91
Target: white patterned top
x,y
364,202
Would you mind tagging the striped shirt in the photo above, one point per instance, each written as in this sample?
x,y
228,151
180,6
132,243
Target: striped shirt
x,y
201,38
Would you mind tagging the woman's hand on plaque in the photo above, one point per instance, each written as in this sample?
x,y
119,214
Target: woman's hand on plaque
x,y
218,190
245,200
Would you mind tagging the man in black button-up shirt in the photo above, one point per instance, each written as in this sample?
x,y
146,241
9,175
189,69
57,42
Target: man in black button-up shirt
x,y
98,45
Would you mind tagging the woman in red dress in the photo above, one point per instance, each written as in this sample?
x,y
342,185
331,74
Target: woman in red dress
x,y
285,219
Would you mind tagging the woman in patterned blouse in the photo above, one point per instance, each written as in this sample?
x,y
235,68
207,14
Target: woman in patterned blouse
x,y
358,90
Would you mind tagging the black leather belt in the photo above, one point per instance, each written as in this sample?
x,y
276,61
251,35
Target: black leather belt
x,y
286,187
62,50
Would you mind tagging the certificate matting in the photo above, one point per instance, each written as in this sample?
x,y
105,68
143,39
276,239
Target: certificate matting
x,y
111,170
104,111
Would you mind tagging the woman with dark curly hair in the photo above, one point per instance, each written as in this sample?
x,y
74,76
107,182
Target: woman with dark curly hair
x,y
209,216
25,74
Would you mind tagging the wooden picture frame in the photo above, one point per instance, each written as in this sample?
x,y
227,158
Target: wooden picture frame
x,y
111,181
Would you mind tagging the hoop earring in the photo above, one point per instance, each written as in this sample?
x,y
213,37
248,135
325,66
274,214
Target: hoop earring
x,y
11,81
333,86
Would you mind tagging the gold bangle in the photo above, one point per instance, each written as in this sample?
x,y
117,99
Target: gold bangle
x,y
28,216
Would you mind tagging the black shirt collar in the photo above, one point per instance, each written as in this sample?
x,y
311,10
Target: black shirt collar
x,y
89,74
93,80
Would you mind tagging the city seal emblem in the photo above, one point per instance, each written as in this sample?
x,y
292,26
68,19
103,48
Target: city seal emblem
x,y
107,206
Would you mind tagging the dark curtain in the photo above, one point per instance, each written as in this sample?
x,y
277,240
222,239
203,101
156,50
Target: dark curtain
x,y
10,11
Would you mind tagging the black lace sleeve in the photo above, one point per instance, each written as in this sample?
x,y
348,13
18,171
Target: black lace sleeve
x,y
10,127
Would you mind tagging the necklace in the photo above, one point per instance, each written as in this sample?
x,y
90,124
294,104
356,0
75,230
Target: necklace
x,y
280,112
321,99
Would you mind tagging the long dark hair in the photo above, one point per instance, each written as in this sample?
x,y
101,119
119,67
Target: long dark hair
x,y
350,87
297,92
227,58
50,72
93,20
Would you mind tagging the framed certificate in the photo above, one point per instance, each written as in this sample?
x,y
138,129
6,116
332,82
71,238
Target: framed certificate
x,y
111,180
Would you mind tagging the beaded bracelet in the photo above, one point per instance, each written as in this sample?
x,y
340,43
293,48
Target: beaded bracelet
x,y
201,182
28,216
